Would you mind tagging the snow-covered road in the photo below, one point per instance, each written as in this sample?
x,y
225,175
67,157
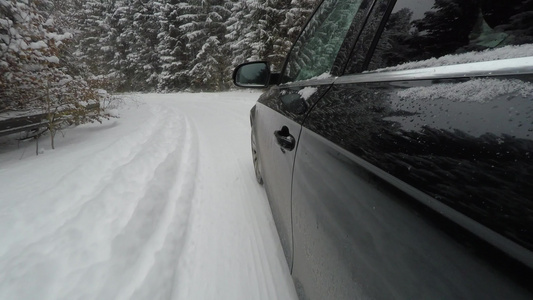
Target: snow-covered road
x,y
158,204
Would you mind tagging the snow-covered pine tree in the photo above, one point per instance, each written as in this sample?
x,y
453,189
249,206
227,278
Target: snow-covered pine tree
x,y
276,45
266,29
34,70
141,45
30,47
296,16
102,42
206,39
134,36
241,29
144,59
118,39
247,31
24,53
172,49
258,36
91,27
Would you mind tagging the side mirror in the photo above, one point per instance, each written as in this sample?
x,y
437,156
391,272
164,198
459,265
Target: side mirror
x,y
252,75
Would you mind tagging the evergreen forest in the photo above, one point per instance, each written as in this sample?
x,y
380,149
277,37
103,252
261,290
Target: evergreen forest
x,y
67,51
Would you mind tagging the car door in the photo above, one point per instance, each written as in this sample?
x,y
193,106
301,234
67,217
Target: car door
x,y
309,71
413,180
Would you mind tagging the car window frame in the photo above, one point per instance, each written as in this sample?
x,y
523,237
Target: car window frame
x,y
370,38
342,57
357,64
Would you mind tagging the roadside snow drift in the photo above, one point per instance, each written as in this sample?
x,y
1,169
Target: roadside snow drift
x,y
158,204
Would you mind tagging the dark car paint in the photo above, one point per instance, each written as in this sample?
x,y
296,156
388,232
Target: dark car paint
x,y
275,110
360,235
377,159
389,198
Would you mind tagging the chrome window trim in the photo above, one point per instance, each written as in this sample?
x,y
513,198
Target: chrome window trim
x,y
309,82
504,67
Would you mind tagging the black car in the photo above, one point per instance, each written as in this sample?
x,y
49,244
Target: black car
x,y
396,149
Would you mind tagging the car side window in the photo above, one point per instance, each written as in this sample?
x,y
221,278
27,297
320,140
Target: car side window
x,y
428,33
315,50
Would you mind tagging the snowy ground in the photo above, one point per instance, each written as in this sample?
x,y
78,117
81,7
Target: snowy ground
x,y
158,204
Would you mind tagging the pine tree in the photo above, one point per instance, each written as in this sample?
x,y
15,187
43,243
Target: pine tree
x,y
91,29
29,49
119,38
276,46
241,29
266,30
34,65
296,16
144,59
206,45
172,47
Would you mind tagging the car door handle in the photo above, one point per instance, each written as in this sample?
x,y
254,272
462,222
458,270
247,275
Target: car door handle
x,y
285,140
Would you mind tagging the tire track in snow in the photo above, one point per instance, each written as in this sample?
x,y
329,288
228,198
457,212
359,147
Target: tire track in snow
x,y
40,244
163,195
263,248
260,244
83,168
164,245
160,169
